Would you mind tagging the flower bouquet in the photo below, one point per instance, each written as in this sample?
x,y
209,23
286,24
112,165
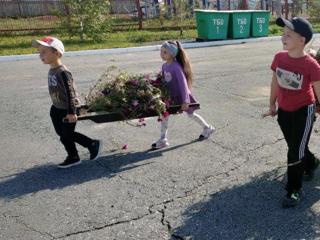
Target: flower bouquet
x,y
119,96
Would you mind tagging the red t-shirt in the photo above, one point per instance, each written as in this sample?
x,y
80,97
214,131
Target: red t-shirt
x,y
295,77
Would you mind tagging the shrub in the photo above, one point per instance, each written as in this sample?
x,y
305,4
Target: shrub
x,y
88,18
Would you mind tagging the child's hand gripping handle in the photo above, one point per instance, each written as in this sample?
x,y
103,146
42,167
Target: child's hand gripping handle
x,y
266,114
70,118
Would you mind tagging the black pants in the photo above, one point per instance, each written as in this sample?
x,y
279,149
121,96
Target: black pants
x,y
296,127
68,136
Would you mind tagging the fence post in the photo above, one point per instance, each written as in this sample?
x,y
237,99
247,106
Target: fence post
x,y
20,9
218,5
67,8
139,13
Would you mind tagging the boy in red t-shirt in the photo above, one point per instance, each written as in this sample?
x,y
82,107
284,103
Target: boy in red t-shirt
x,y
295,82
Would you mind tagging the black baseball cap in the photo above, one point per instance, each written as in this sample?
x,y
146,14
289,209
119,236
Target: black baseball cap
x,y
298,25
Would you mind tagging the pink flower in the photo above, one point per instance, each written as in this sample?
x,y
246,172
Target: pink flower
x,y
125,146
135,103
141,122
134,82
147,76
156,82
167,102
165,115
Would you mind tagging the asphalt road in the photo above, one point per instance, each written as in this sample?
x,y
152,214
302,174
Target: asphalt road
x,y
228,187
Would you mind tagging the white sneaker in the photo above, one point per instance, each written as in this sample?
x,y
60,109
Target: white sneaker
x,y
161,143
207,131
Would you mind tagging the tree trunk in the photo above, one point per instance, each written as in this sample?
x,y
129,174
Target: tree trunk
x,y
277,7
286,7
243,5
139,13
297,6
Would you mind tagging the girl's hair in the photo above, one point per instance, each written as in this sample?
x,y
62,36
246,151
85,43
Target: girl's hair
x,y
183,60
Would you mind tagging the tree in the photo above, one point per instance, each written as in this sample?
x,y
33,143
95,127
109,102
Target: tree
x,y
243,5
88,18
296,7
314,9
277,7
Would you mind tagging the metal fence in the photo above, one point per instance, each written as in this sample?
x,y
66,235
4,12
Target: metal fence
x,y
38,15
30,8
35,15
150,8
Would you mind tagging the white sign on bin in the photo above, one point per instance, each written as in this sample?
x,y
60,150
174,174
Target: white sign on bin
x,y
218,22
241,22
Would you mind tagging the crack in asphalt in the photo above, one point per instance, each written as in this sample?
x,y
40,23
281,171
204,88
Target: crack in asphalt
x,y
35,230
265,144
164,222
102,227
20,221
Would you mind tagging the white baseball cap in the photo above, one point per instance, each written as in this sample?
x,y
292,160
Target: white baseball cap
x,y
49,42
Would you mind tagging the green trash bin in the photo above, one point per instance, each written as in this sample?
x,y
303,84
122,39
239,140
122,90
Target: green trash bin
x,y
212,25
260,23
240,24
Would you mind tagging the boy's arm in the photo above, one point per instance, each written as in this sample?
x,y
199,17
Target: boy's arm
x,y
273,97
315,77
71,95
316,89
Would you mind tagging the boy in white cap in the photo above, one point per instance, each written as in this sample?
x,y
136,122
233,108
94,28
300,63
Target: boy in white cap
x,y
295,88
64,102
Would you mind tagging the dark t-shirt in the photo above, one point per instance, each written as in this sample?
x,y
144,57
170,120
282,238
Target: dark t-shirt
x,y
62,89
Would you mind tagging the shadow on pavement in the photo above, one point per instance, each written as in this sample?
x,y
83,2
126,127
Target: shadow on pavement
x,y
252,211
48,176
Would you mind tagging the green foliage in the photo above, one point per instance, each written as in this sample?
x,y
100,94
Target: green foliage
x,y
21,44
87,18
131,95
296,7
314,9
275,30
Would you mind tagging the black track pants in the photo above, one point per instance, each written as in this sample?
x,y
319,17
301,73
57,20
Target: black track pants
x,y
68,136
296,127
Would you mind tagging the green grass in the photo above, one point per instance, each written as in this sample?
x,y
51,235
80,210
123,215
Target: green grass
x,y
21,44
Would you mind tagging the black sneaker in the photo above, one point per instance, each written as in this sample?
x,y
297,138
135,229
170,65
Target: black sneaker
x,y
308,175
207,131
95,149
69,162
292,199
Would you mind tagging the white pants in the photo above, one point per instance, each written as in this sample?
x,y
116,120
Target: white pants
x,y
196,117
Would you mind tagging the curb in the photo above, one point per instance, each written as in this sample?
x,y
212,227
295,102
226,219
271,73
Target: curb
x,y
186,45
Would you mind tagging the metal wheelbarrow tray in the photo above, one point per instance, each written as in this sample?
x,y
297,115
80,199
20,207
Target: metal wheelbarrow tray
x,y
102,116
